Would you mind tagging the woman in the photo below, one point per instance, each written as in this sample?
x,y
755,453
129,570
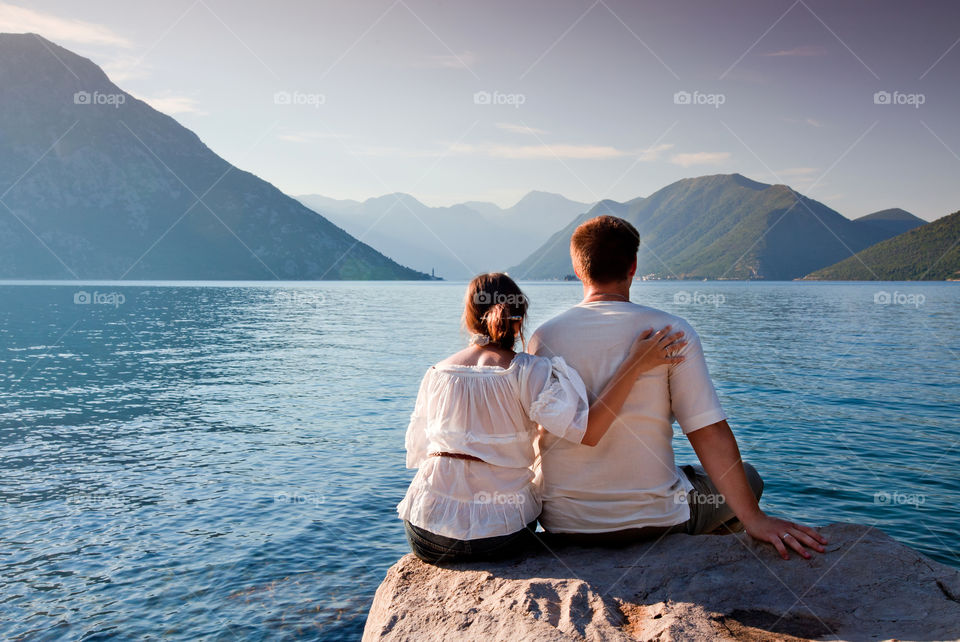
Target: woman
x,y
473,429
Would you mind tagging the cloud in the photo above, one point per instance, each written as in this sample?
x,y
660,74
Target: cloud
x,y
557,151
123,68
653,153
801,51
16,19
175,105
403,152
689,159
561,151
520,152
520,129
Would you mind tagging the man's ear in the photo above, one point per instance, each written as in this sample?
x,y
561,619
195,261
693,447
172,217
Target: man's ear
x,y
633,270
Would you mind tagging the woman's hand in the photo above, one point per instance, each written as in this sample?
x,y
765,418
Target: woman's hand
x,y
782,534
647,352
652,349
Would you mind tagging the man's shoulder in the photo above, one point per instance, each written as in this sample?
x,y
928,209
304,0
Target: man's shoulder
x,y
581,325
659,318
579,316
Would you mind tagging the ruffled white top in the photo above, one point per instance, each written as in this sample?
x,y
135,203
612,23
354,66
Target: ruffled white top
x,y
491,413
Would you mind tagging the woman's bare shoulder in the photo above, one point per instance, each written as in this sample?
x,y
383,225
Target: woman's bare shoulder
x,y
474,357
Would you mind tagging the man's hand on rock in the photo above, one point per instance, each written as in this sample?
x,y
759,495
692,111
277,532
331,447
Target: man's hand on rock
x,y
782,534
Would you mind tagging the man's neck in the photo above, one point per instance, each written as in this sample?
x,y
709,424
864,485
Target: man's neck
x,y
619,291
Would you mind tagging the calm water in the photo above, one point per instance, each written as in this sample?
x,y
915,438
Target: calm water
x,y
223,461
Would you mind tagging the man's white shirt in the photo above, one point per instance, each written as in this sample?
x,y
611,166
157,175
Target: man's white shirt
x,y
629,480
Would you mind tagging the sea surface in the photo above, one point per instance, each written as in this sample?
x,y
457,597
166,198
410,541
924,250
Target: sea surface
x,y
222,460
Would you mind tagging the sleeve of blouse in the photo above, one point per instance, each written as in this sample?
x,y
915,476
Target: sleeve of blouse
x,y
557,398
416,439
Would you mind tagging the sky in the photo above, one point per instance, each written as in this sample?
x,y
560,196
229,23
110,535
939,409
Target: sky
x,y
851,103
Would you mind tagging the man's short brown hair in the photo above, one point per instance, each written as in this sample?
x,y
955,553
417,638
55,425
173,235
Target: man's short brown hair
x,y
604,248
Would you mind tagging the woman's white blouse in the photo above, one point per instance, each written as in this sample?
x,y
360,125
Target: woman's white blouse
x,y
491,413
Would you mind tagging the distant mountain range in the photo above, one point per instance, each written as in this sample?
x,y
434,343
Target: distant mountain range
x,y
458,241
727,227
927,253
99,185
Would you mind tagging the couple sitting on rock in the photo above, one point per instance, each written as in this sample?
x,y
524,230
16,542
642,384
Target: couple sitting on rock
x,y
576,433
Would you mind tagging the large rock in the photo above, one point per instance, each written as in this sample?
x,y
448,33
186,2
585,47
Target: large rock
x,y
866,586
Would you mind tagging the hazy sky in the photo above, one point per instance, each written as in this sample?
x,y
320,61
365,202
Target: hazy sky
x,y
357,99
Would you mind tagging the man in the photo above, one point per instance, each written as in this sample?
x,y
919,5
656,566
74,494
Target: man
x,y
628,487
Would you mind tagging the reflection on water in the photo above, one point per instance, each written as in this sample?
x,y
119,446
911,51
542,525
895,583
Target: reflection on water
x,y
224,460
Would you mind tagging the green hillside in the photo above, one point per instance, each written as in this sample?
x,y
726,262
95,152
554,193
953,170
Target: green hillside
x,y
721,226
928,253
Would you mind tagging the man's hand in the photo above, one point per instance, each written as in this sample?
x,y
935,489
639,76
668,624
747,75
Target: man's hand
x,y
782,533
717,449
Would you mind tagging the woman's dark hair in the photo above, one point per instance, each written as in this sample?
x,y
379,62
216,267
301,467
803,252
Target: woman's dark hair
x,y
495,306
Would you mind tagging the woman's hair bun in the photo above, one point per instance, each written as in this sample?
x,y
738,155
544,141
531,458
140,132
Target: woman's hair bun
x,y
496,307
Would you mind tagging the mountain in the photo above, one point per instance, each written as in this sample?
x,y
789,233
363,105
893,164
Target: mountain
x,y
99,185
537,213
724,226
318,202
458,241
930,252
894,220
485,207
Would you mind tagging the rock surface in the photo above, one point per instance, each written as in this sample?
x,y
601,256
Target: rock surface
x,y
866,587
